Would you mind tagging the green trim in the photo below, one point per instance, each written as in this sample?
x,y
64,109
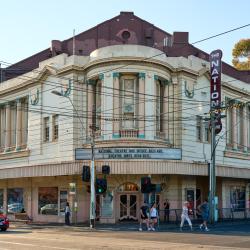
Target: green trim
x,y
142,75
116,74
141,136
91,82
101,76
116,136
156,77
165,82
18,148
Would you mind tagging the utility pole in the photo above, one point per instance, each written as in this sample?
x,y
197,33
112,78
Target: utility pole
x,y
92,172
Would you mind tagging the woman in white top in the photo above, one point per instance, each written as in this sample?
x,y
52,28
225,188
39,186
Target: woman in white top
x,y
184,216
153,216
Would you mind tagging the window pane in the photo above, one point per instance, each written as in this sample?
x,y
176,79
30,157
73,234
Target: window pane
x,y
15,200
46,129
198,128
238,198
48,200
55,124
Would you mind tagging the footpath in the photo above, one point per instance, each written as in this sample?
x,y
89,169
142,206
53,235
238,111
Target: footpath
x,y
236,226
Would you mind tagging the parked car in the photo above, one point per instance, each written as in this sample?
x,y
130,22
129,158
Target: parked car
x,y
51,209
15,208
4,222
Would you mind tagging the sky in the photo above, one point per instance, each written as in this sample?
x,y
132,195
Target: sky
x,y
28,26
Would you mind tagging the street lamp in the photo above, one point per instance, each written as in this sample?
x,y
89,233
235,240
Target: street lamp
x,y
92,166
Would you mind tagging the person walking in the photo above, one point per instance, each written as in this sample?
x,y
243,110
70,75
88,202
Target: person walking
x,y
185,216
153,216
67,214
144,216
204,208
166,210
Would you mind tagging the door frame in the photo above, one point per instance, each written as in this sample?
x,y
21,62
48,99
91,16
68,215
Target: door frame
x,y
137,194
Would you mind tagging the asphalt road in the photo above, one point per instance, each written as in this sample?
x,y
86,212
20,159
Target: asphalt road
x,y
236,236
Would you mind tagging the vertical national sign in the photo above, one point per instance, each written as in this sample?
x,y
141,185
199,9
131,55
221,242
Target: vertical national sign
x,y
215,87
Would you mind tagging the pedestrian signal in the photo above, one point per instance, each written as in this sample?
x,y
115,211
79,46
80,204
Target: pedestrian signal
x,y
101,186
85,173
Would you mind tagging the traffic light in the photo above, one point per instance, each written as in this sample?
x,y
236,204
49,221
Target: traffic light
x,y
101,186
85,173
105,169
146,185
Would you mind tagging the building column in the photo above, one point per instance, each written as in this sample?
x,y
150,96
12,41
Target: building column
x,y
244,128
90,115
234,128
141,105
116,105
18,124
7,128
165,111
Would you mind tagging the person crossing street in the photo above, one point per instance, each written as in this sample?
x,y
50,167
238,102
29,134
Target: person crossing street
x,y
185,216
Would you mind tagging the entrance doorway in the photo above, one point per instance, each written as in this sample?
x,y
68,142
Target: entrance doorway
x,y
128,207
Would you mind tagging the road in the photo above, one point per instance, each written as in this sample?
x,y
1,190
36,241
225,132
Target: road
x,y
77,238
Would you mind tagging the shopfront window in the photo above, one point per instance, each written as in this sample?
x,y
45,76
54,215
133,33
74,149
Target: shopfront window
x,y
15,200
48,200
238,198
1,200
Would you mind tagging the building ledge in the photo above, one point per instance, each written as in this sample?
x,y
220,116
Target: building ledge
x,y
14,154
237,154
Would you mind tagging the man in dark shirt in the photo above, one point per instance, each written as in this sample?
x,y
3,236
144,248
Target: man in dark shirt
x,y
166,210
144,210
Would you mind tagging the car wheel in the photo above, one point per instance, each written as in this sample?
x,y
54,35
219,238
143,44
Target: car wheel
x,y
3,229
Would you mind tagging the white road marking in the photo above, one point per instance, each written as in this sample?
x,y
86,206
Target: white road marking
x,y
34,245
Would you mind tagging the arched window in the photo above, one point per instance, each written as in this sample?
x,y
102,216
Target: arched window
x,y
128,187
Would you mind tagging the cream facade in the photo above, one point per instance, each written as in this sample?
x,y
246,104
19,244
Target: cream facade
x,y
158,103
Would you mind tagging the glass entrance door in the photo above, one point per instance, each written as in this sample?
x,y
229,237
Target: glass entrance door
x,y
128,207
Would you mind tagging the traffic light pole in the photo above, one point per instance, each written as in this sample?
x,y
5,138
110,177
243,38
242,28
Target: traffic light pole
x,y
92,183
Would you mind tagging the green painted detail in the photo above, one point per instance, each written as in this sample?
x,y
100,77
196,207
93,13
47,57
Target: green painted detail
x,y
165,82
142,75
141,136
18,148
156,77
116,136
91,82
116,75
101,76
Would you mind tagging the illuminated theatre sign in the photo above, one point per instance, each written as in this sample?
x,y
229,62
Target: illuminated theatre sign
x,y
215,87
129,153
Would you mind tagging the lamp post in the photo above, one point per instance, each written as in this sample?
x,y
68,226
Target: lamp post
x,y
92,166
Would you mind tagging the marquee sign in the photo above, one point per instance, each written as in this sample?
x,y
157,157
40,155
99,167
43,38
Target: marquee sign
x,y
129,153
215,87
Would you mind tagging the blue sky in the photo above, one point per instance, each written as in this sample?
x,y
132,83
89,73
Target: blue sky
x,y
28,26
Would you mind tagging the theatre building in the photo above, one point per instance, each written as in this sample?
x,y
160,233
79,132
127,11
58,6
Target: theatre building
x,y
142,96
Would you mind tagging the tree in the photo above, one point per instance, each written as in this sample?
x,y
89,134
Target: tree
x,y
241,55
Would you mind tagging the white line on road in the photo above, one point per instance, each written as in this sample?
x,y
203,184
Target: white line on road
x,y
34,245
